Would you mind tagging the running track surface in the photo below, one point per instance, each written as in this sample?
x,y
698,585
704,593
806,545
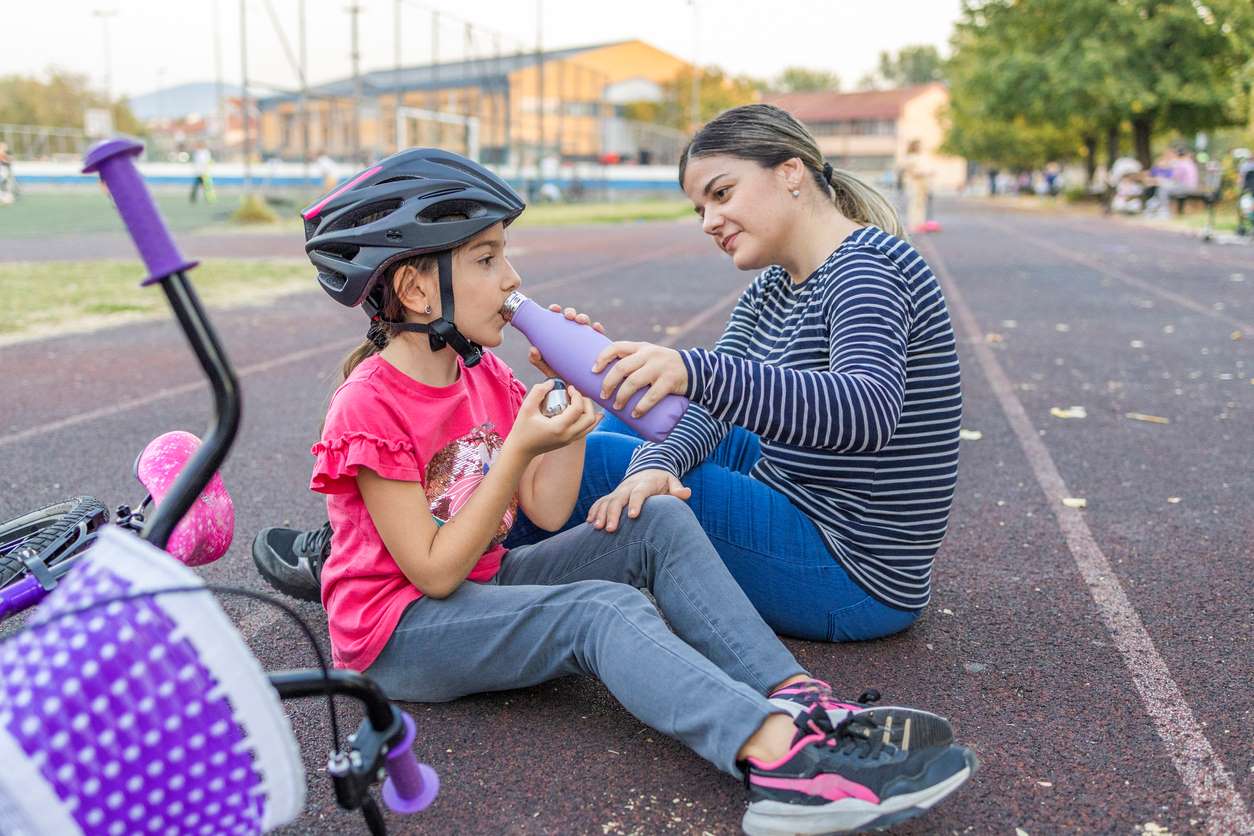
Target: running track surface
x,y
1098,660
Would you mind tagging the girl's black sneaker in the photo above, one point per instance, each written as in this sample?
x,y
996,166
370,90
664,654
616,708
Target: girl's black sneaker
x,y
843,778
905,728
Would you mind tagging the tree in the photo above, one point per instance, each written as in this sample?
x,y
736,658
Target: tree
x,y
59,101
1096,66
718,92
918,64
802,80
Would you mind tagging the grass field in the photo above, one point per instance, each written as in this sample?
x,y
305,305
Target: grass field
x,y
58,212
49,297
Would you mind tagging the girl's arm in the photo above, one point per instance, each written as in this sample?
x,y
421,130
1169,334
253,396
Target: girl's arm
x,y
550,485
435,558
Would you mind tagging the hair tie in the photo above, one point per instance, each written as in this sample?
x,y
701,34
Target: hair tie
x,y
827,171
377,334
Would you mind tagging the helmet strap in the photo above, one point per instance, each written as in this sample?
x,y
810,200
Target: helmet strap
x,y
441,331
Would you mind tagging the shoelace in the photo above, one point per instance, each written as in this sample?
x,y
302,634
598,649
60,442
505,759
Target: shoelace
x,y
313,544
856,734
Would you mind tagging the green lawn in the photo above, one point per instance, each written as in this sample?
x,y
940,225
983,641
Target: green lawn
x,y
85,211
48,297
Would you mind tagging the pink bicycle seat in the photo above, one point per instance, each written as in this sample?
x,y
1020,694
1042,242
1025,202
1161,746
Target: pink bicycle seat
x,y
204,534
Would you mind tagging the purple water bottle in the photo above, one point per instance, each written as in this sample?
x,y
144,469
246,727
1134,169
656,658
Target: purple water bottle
x,y
571,348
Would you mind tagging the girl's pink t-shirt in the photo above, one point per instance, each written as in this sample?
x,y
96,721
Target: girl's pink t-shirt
x,y
446,438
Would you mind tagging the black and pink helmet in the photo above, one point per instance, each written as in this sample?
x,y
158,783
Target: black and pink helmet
x,y
419,201
398,208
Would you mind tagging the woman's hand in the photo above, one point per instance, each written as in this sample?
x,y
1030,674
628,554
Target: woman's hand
x,y
534,432
640,365
631,493
574,316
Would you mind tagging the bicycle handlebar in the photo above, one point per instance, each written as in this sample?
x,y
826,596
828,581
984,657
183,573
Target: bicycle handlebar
x,y
410,786
114,160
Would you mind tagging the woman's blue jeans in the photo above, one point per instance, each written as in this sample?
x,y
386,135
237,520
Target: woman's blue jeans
x,y
772,549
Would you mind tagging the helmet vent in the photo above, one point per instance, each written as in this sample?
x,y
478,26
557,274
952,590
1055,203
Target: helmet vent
x,y
451,210
365,215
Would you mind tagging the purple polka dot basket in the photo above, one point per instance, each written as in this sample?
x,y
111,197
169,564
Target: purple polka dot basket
x,y
148,715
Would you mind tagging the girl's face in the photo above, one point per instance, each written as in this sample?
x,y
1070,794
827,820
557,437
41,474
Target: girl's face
x,y
748,210
482,278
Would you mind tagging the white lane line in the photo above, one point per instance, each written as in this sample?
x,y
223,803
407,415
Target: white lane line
x,y
1204,775
1115,273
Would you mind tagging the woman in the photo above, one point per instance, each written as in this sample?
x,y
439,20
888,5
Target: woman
x,y
821,450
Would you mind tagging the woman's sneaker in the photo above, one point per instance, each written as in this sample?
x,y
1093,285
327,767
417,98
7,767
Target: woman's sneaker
x,y
835,780
291,561
905,728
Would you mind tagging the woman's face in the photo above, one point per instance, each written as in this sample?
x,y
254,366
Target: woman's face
x,y
748,210
482,278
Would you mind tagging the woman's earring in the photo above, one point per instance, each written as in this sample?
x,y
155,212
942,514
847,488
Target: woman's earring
x,y
796,193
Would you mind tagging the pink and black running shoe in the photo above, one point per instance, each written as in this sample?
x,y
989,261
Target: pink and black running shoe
x,y
905,728
843,778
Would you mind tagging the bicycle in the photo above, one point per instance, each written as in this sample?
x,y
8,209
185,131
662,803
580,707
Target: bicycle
x,y
128,696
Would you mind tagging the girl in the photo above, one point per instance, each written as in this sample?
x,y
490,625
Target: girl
x,y
821,450
429,449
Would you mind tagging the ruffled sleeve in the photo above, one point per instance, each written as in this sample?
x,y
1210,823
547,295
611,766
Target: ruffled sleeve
x,y
361,430
339,458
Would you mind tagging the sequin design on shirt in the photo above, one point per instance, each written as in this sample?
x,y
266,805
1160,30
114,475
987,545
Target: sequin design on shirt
x,y
454,473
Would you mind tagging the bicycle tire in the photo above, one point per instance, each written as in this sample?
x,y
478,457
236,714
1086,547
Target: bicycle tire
x,y
43,527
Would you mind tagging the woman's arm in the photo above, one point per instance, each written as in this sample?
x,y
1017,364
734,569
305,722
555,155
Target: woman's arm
x,y
853,406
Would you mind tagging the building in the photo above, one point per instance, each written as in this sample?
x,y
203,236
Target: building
x,y
869,132
519,109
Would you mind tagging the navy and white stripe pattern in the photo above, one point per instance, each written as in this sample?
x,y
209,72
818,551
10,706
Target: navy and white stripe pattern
x,y
851,380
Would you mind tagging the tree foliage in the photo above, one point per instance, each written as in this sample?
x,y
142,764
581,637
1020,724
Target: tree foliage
x,y
802,80
918,64
59,100
1050,75
718,91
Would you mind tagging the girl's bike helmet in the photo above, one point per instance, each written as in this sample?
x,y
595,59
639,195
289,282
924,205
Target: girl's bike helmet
x,y
419,201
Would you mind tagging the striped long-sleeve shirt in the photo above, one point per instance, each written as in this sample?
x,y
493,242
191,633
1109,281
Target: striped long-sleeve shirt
x,y
851,380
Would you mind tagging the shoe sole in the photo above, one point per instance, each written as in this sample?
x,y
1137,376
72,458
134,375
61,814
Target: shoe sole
x,y
851,815
926,729
301,592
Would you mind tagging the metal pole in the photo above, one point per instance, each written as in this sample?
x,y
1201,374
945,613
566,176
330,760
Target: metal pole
x,y
539,86
695,117
434,98
244,103
396,26
217,78
104,15
304,97
354,10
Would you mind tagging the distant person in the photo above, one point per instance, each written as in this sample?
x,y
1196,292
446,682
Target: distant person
x,y
1053,179
202,162
992,181
326,170
8,182
918,182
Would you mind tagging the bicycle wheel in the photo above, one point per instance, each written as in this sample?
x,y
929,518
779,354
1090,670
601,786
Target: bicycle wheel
x,y
62,530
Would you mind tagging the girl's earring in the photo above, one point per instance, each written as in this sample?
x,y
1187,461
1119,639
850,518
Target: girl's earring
x,y
428,310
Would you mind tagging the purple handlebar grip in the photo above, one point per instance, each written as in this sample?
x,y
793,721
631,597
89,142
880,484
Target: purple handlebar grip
x,y
114,160
25,593
411,786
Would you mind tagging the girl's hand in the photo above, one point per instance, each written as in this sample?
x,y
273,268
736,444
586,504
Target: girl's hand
x,y
640,365
534,432
574,316
631,493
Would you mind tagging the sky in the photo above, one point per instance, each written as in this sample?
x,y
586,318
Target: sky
x,y
160,43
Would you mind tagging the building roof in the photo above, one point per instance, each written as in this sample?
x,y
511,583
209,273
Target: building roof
x,y
483,72
831,107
